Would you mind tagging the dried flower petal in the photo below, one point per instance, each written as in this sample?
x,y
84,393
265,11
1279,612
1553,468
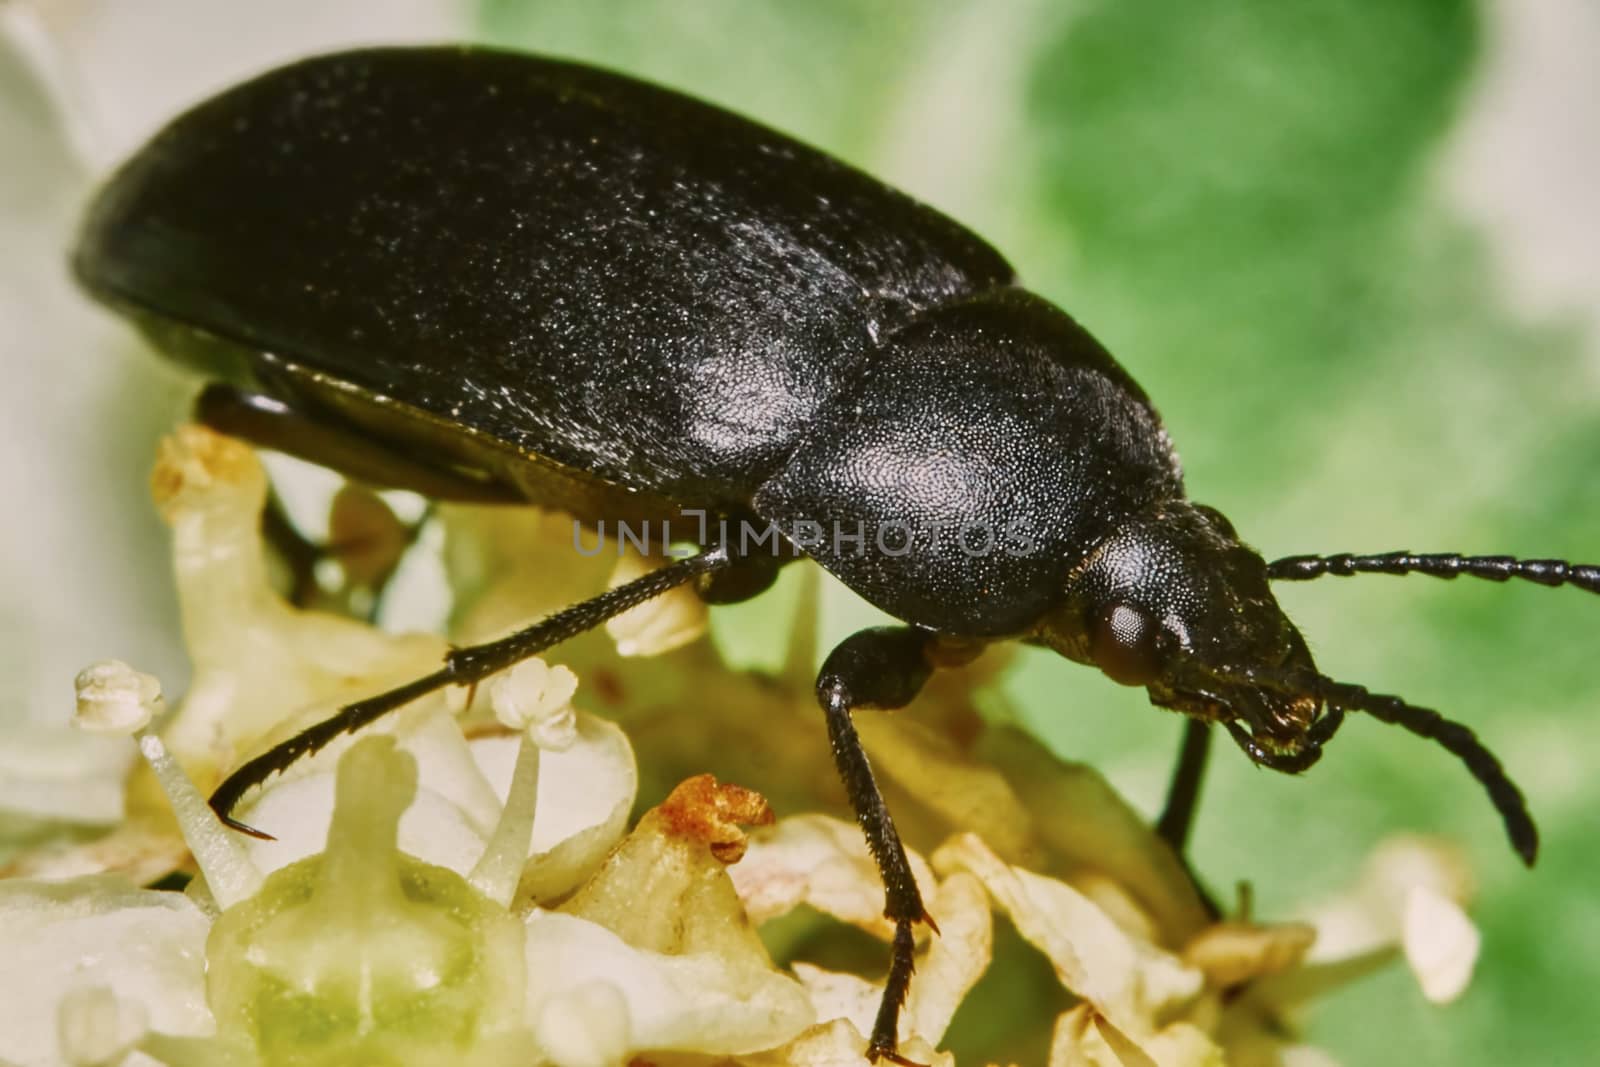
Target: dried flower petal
x,y
703,809
823,862
1131,983
665,888
838,1043
1085,1038
946,971
1233,952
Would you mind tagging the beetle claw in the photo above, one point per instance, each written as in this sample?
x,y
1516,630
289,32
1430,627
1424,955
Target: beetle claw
x,y
244,828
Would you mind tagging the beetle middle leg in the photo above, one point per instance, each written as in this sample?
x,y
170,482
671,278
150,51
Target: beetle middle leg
x,y
884,667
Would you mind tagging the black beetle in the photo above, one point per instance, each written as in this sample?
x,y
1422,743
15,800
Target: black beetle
x,y
491,276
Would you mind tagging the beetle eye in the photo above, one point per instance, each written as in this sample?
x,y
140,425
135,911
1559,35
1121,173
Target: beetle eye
x,y
1124,645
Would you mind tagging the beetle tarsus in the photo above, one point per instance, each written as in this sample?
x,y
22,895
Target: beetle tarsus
x,y
244,828
884,1042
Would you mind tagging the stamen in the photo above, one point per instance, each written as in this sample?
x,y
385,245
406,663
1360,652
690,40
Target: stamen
x,y
115,698
221,856
536,699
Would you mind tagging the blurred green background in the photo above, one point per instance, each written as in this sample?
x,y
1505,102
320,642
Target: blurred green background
x,y
1245,200
1257,205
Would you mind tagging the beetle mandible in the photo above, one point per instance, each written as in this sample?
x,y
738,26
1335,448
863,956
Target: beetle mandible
x,y
489,276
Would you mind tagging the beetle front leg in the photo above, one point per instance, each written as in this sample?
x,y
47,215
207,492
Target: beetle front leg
x,y
462,666
884,667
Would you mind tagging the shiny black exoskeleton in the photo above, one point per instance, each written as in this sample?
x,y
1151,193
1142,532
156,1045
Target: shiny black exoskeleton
x,y
491,276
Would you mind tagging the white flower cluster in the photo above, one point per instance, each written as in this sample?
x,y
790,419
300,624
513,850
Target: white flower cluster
x,y
464,886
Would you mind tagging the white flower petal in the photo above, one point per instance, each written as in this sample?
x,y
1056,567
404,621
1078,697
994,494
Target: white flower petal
x,y
692,1002
146,947
840,995
96,1028
62,774
956,957
1441,944
1369,917
587,1026
298,812
448,767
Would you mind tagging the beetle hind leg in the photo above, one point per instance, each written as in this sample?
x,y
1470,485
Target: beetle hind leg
x,y
883,667
273,423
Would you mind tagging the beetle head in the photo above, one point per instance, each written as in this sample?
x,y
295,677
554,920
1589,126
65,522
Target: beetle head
x,y
1172,601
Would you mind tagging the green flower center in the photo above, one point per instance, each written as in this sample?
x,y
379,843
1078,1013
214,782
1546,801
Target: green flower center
x,y
363,954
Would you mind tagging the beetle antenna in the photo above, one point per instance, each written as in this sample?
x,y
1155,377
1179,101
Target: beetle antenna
x,y
1456,738
1551,572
